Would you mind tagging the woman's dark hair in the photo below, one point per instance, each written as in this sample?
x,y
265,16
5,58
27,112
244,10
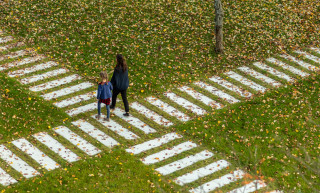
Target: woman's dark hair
x,y
121,63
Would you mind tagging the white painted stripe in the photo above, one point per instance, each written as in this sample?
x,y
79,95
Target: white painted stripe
x,y
183,163
246,81
6,179
56,147
115,127
251,187
185,103
308,56
153,143
6,39
67,90
83,109
230,86
204,99
215,91
201,172
315,49
168,109
151,114
35,154
134,121
273,71
35,68
17,163
167,153
276,191
287,67
10,46
259,76
75,99
300,62
14,55
22,62
55,83
76,140
218,183
43,76
95,133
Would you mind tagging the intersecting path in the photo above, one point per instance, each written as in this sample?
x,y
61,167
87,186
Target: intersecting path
x,y
186,162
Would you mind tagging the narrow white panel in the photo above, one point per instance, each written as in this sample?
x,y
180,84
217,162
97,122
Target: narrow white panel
x,y
167,153
22,62
32,69
287,67
115,127
56,147
315,49
10,46
5,39
35,154
67,90
183,163
259,76
251,187
276,191
168,109
17,163
230,86
76,99
185,103
6,179
201,172
76,140
43,76
218,183
55,83
309,56
153,143
215,91
83,109
134,121
273,71
14,55
246,81
300,62
204,99
151,114
95,133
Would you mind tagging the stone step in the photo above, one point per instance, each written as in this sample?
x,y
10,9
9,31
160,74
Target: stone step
x,y
22,62
17,163
151,114
67,90
95,133
10,46
56,147
273,71
259,76
43,76
6,179
230,86
6,39
14,55
201,172
76,140
309,56
167,153
300,62
183,163
55,83
246,81
35,68
168,108
115,127
185,103
76,99
219,93
287,67
134,121
251,187
84,108
153,143
36,154
218,183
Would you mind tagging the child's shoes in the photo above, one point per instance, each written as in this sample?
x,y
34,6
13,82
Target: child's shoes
x,y
98,117
107,119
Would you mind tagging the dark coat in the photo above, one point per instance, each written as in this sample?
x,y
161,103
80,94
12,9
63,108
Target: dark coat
x,y
120,79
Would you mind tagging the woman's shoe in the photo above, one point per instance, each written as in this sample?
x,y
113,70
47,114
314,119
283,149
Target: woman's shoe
x,y
126,114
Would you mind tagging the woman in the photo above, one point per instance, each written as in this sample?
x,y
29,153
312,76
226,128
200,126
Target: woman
x,y
120,82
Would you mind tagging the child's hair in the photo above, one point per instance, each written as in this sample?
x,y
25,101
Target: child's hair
x,y
104,75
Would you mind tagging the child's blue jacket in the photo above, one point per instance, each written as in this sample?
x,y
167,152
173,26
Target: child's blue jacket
x,y
104,90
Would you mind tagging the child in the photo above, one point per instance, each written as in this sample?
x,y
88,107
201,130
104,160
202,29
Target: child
x,y
104,94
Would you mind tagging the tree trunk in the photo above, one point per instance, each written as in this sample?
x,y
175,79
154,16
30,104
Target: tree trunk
x,y
219,26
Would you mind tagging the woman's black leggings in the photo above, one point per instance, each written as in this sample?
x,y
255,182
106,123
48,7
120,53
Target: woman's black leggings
x,y
115,93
